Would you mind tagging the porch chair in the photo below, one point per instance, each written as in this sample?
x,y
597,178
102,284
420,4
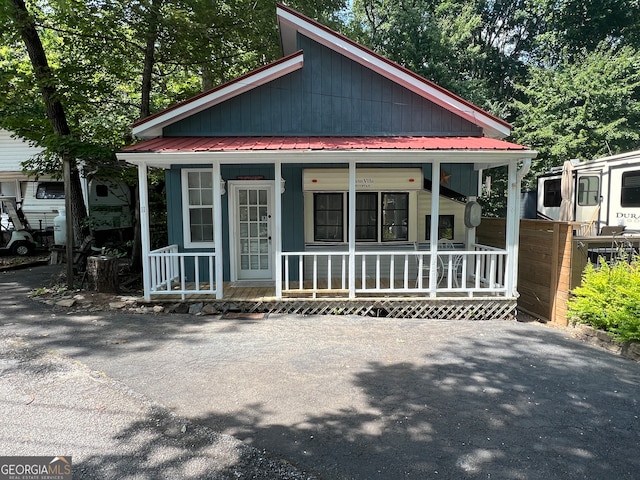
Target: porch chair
x,y
455,260
425,272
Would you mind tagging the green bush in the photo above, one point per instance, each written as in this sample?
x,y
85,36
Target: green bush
x,y
609,299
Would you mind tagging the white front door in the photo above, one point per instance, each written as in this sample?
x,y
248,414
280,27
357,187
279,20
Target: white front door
x,y
250,215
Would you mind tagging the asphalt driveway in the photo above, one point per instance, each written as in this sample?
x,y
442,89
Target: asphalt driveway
x,y
347,397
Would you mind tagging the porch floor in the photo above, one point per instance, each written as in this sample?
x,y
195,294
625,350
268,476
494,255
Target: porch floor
x,y
260,298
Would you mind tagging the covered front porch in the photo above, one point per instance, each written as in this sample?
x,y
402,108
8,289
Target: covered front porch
x,y
419,278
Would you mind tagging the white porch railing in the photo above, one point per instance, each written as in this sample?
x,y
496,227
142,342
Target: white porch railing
x,y
181,273
396,272
479,271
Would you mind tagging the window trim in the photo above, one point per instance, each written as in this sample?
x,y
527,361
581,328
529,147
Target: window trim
x,y
186,207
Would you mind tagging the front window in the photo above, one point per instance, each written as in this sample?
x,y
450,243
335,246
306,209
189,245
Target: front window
x,y
630,196
198,207
395,215
366,217
328,217
380,217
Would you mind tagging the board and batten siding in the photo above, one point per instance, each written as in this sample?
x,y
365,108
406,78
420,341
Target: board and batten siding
x,y
331,95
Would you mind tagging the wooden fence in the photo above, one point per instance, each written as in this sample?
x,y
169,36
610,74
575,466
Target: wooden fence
x,y
544,264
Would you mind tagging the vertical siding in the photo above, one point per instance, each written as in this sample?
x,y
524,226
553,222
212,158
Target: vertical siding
x,y
330,95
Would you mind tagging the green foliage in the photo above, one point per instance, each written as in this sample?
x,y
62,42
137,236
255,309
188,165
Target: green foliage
x,y
609,299
583,109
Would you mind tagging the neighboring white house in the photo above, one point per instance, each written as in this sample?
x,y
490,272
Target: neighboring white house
x,y
13,151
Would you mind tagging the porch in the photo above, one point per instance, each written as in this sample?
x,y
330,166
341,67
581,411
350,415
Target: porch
x,y
395,283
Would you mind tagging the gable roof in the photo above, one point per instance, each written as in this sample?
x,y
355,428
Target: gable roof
x,y
290,23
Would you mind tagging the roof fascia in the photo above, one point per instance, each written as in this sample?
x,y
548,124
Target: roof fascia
x,y
480,158
493,126
152,126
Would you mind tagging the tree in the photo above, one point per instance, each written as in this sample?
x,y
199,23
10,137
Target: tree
x,y
584,109
62,140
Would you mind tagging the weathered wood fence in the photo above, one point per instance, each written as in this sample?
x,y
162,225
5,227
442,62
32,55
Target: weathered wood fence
x,y
544,264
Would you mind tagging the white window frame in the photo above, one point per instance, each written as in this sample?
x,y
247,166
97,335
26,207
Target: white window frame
x,y
186,207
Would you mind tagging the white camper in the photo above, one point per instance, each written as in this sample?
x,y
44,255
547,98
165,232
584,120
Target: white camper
x,y
109,203
600,193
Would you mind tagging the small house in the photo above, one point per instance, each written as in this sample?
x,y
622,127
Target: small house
x,y
331,180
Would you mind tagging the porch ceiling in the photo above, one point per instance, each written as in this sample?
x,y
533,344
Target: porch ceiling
x,y
173,150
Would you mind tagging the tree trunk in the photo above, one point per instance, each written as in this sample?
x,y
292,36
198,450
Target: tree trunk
x,y
102,274
55,113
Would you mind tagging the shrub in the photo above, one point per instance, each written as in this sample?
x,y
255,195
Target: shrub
x,y
609,299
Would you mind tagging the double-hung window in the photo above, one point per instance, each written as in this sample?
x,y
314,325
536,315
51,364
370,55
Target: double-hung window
x,y
197,204
380,216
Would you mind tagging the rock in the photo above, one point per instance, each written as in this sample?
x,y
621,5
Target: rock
x,y
209,309
178,308
117,305
158,309
196,307
66,302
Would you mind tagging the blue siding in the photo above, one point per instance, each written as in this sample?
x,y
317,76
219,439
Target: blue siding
x,y
330,95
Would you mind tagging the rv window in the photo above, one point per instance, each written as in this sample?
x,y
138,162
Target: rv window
x,y
552,193
445,227
588,190
50,190
630,195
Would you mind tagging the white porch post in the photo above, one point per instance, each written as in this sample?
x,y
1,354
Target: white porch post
x,y
352,229
512,229
435,217
143,198
217,228
277,229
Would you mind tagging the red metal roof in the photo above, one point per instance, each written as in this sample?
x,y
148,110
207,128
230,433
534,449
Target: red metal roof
x,y
229,144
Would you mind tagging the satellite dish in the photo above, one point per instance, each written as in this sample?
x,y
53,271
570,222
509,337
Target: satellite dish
x,y
472,214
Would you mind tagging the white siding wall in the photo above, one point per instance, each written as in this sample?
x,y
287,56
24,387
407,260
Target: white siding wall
x,y
13,152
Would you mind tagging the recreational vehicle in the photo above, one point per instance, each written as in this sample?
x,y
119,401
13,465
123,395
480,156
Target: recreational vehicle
x,y
109,203
603,193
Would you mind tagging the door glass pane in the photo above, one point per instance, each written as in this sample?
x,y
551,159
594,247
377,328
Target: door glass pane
x,y
253,197
263,197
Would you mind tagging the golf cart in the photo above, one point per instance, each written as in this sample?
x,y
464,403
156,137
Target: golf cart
x,y
16,242
14,237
